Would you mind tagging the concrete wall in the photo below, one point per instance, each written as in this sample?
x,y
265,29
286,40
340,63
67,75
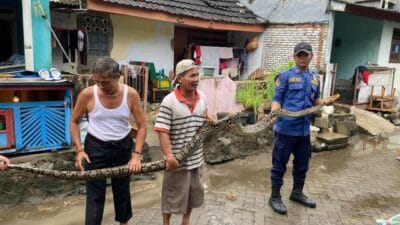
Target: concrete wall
x,y
384,51
279,41
356,41
41,38
134,39
37,39
143,40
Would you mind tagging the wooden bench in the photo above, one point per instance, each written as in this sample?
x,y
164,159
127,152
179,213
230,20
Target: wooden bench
x,y
381,102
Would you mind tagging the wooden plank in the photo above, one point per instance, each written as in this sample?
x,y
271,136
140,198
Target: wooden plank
x,y
12,66
382,109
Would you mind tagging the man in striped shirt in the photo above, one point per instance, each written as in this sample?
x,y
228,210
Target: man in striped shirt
x,y
182,112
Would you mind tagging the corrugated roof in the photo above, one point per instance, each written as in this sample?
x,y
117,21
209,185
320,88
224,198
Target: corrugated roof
x,y
216,10
298,11
290,12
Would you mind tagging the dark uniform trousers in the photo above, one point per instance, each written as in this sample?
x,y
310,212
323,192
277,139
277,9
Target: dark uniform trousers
x,y
284,146
108,154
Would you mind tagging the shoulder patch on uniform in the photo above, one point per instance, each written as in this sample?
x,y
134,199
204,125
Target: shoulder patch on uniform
x,y
315,80
294,79
277,83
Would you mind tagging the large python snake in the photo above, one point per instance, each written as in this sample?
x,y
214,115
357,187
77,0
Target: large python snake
x,y
198,137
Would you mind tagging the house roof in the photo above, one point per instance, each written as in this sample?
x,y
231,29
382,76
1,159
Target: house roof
x,y
365,11
206,14
215,10
290,12
301,11
64,3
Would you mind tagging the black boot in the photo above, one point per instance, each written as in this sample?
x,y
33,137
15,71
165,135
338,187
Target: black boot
x,y
275,201
298,196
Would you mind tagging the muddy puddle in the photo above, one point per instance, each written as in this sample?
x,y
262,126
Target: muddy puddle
x,y
70,210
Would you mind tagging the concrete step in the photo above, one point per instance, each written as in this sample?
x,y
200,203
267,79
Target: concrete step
x,y
332,138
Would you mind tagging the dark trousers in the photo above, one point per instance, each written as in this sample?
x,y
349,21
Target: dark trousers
x,y
102,155
284,146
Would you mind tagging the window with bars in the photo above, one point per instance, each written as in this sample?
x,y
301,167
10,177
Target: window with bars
x,y
395,47
98,28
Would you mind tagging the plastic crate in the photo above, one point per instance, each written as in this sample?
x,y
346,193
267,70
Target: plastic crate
x,y
161,84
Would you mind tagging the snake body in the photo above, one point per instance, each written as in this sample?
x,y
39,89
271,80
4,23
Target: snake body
x,y
265,123
188,148
118,171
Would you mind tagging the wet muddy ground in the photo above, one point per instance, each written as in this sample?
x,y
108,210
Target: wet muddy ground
x,y
355,185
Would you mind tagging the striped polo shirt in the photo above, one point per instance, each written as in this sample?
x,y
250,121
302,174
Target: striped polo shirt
x,y
181,122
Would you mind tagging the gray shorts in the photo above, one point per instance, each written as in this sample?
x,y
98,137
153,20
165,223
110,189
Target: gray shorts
x,y
181,190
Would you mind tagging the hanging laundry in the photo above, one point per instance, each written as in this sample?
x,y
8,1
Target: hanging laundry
x,y
225,53
81,38
197,55
82,46
64,35
220,94
210,58
73,43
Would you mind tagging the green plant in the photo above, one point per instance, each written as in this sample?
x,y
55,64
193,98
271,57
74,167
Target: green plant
x,y
249,96
270,80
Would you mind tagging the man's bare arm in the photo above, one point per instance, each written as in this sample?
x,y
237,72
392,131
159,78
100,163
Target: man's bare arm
x,y
165,144
139,118
79,110
81,107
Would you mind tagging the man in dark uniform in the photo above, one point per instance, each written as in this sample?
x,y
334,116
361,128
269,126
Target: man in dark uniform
x,y
295,89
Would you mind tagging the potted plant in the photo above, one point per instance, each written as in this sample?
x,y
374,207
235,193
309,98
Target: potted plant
x,y
251,98
270,84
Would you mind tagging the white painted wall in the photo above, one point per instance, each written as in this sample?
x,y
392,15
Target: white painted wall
x,y
137,39
384,51
254,58
329,66
28,41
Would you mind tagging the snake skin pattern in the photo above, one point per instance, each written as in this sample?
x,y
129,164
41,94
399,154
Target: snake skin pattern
x,y
118,171
265,123
189,147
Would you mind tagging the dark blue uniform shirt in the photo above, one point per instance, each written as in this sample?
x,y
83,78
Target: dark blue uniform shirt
x,y
295,90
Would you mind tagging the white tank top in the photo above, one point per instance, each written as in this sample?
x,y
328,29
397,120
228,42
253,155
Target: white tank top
x,y
109,124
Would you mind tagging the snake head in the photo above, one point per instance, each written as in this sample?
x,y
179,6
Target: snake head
x,y
334,97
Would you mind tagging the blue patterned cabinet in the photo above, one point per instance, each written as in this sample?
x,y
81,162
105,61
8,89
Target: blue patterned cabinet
x,y
41,114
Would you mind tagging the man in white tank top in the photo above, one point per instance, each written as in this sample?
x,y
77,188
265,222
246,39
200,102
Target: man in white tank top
x,y
108,143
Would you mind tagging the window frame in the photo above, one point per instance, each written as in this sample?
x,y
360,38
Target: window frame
x,y
393,58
